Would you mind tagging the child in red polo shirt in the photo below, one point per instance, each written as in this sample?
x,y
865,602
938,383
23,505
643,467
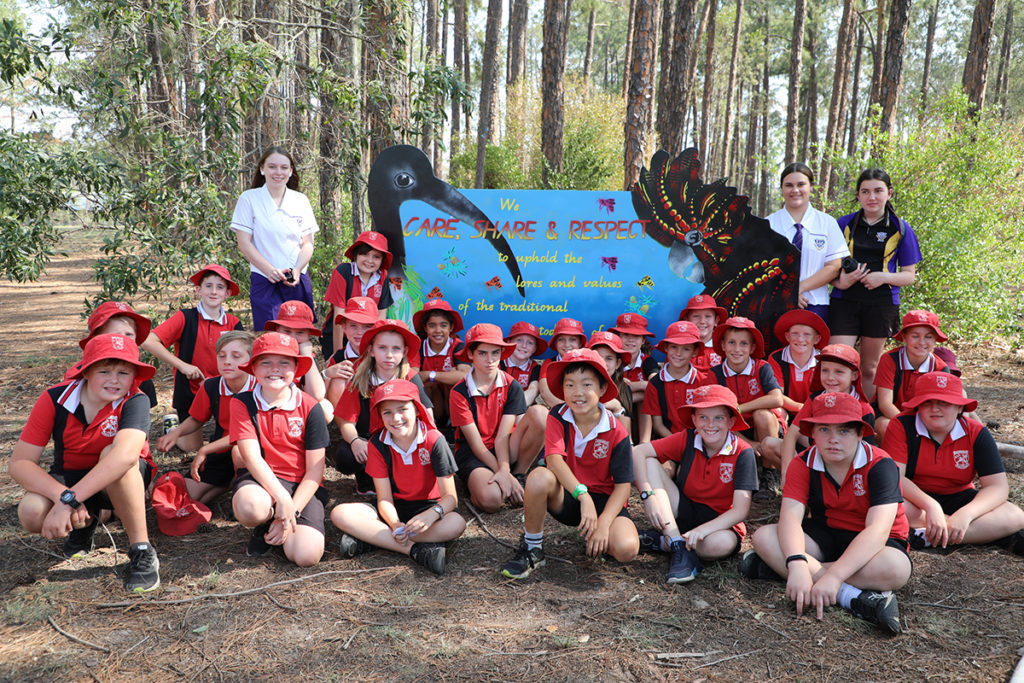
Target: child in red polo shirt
x,y
521,364
437,323
412,469
804,334
193,333
359,316
940,451
702,311
589,468
641,365
609,348
700,480
484,407
852,548
366,274
672,387
213,468
384,355
99,424
281,437
295,320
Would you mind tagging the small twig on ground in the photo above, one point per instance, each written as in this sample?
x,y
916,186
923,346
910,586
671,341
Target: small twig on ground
x,y
40,550
76,639
270,597
112,545
684,655
135,645
499,541
726,659
952,607
349,641
538,653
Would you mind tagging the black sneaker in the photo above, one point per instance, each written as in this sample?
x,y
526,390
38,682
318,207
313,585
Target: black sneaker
x,y
525,561
350,546
1013,543
258,546
143,569
684,565
916,539
650,542
79,541
769,481
753,567
878,608
429,555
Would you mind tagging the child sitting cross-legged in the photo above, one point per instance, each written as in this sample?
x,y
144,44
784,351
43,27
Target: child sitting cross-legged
x,y
412,470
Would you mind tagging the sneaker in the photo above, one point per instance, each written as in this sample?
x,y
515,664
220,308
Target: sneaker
x,y
650,542
525,561
79,541
916,539
429,555
753,567
143,569
684,565
170,422
878,608
350,546
1013,543
770,482
258,546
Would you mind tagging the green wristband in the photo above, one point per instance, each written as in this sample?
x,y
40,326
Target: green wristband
x,y
579,490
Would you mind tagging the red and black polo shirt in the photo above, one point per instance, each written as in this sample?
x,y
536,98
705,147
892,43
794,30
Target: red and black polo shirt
x,y
468,405
413,474
214,401
665,394
639,370
355,408
345,283
599,460
754,381
795,381
194,336
525,374
895,372
443,360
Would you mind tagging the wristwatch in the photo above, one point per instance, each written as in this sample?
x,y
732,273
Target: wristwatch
x,y
439,510
432,375
579,490
68,498
644,495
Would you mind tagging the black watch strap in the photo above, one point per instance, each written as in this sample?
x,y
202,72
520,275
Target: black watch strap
x,y
69,499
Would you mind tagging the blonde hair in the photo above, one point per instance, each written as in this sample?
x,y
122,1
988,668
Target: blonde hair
x,y
247,338
364,370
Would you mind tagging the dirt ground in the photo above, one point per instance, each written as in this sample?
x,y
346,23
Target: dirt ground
x,y
220,615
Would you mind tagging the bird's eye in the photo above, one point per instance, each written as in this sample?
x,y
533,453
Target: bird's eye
x,y
403,180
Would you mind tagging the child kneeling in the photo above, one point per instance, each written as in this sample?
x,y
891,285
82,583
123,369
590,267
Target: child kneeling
x,y
589,468
412,470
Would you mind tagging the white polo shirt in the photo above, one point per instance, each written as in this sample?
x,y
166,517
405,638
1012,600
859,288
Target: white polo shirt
x,y
823,242
277,231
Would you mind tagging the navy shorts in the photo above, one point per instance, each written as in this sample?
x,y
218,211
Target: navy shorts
x,y
568,512
100,500
466,461
834,542
312,515
691,515
951,502
406,509
218,470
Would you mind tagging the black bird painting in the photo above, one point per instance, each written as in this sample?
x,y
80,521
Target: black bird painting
x,y
403,172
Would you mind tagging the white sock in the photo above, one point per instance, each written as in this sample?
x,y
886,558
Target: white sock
x,y
533,541
920,532
845,594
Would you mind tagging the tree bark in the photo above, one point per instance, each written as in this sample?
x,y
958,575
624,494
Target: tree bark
x,y
879,61
730,93
488,86
750,158
330,56
518,23
851,146
837,105
641,81
929,48
796,53
162,100
630,30
556,36
892,72
765,105
432,41
384,62
709,81
691,73
458,39
674,101
1002,78
665,45
809,146
588,57
975,79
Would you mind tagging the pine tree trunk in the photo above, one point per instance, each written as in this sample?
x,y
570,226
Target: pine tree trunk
x,y
765,105
837,105
488,85
665,47
630,30
796,53
851,146
929,48
674,100
556,35
588,58
458,40
892,72
709,80
879,61
809,147
384,113
730,93
330,54
691,72
1002,79
638,100
518,19
975,80
749,158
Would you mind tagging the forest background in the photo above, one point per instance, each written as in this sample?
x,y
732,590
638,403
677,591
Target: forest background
x,y
143,119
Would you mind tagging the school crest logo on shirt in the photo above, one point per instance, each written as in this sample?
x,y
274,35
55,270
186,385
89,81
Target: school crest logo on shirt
x,y
424,456
880,236
961,459
108,427
725,472
715,359
117,341
447,364
819,243
375,291
295,426
942,381
600,449
858,485
753,387
689,395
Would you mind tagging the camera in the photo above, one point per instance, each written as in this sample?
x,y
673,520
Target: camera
x,y
289,275
849,264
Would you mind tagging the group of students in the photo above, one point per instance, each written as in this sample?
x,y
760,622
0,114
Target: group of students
x,y
698,435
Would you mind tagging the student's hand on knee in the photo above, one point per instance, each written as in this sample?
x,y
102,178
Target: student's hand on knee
x,y
588,516
694,536
824,592
958,523
936,530
597,541
653,511
198,463
420,523
503,480
359,448
57,523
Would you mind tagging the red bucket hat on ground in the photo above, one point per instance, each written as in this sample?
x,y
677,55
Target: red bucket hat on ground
x,y
711,396
277,344
842,354
295,315
102,314
412,342
703,302
947,356
588,356
177,514
682,332
400,390
612,342
359,309
112,347
197,279
939,386
835,409
530,329
739,323
570,327
419,319
485,333
800,316
631,323
375,240
920,319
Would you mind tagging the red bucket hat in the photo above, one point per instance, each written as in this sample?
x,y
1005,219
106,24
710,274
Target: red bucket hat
x,y
612,342
177,514
739,323
400,390
530,329
703,302
359,309
375,240
412,342
112,309
588,356
939,386
568,326
711,396
295,315
420,317
837,353
277,344
801,316
112,347
682,332
631,323
197,279
835,409
920,319
485,333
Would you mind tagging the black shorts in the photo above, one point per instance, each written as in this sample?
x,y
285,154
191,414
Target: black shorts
x,y
951,502
218,470
312,515
568,512
406,509
834,542
691,515
863,318
467,461
100,500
